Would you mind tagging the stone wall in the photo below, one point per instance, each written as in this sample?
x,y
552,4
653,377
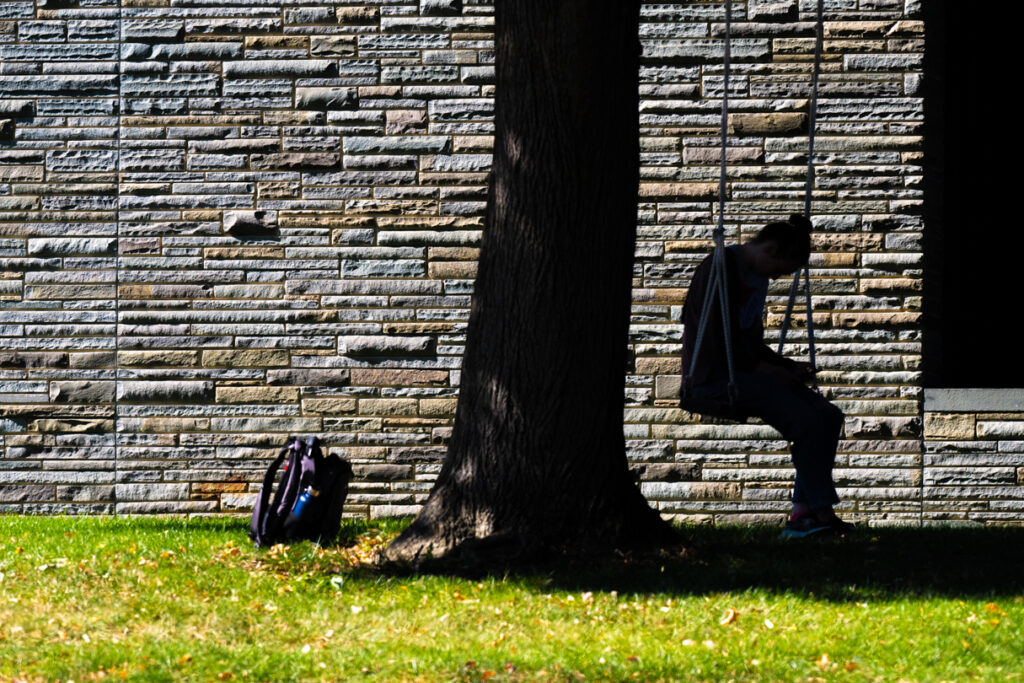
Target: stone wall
x,y
974,456
224,222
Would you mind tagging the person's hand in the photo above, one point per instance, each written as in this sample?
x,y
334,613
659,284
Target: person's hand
x,y
788,379
805,372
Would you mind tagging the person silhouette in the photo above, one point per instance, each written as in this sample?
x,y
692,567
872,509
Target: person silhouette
x,y
767,384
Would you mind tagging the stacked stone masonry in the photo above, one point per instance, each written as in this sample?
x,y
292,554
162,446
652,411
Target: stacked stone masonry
x,y
224,222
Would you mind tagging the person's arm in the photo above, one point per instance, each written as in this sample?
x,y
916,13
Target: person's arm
x,y
692,310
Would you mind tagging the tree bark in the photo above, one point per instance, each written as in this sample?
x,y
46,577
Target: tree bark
x,y
537,455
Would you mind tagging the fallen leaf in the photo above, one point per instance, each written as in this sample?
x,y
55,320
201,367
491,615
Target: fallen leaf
x,y
851,666
730,616
823,662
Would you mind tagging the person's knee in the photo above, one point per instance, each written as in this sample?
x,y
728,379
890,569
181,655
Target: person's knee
x,y
830,417
835,418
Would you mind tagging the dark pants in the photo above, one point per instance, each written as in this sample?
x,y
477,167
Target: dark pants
x,y
805,418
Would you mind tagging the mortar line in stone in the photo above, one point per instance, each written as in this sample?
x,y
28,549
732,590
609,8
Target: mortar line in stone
x,y
117,254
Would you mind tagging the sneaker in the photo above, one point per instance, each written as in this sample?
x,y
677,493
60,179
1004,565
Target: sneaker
x,y
840,527
806,525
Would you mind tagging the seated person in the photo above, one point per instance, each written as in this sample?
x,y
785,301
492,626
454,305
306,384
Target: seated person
x,y
768,385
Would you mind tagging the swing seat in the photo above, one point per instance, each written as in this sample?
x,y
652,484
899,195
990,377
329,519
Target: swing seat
x,y
710,407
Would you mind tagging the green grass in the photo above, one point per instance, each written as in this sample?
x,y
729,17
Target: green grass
x,y
161,599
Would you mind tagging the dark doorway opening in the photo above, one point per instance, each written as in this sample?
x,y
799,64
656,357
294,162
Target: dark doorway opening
x,y
973,240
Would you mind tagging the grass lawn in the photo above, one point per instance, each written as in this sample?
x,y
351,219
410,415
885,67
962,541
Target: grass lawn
x,y
168,599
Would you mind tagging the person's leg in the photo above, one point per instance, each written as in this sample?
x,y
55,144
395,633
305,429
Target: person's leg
x,y
810,423
830,420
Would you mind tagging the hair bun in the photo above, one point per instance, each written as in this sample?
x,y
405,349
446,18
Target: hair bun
x,y
800,221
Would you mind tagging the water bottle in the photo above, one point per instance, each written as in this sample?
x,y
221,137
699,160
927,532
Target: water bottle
x,y
300,505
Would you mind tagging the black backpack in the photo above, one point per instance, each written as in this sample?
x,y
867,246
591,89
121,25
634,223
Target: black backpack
x,y
324,480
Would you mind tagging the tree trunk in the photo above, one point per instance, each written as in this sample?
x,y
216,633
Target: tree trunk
x,y
537,455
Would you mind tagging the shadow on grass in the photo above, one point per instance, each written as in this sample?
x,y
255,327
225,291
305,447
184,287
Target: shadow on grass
x,y
870,563
882,563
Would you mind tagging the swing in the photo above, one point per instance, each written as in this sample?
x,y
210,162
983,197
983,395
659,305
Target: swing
x,y
728,409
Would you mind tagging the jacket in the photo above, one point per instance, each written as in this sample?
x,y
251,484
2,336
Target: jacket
x,y
748,345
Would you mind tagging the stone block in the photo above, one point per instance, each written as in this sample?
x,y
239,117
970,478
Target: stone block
x,y
969,476
73,246
85,493
310,425
374,472
158,358
396,144
294,161
659,366
17,108
883,427
774,123
399,377
246,358
772,10
383,345
438,407
405,121
1000,429
326,98
387,406
329,406
250,223
667,386
172,425
333,46
86,391
280,68
666,471
386,511
310,15
168,391
72,426
26,493
949,426
679,191
440,7
309,377
357,15
15,359
257,395
151,492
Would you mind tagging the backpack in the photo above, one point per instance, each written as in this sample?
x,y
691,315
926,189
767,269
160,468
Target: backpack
x,y
324,480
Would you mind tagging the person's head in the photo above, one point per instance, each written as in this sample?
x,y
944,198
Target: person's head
x,y
781,248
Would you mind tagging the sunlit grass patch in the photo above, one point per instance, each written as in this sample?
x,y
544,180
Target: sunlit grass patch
x,y
172,599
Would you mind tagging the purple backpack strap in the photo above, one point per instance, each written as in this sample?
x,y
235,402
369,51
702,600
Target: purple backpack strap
x,y
261,528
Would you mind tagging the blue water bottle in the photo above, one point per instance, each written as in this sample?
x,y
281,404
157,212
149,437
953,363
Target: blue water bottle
x,y
300,505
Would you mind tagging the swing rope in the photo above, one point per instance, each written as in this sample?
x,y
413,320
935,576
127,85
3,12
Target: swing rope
x,y
717,279
718,287
808,192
